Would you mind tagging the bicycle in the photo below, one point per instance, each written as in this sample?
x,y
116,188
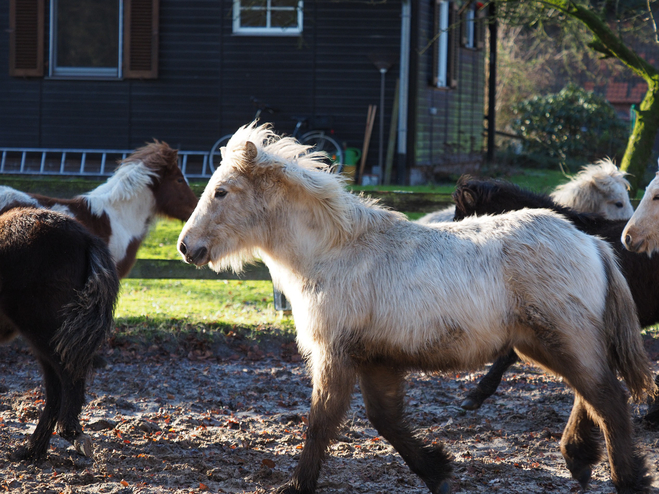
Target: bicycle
x,y
316,136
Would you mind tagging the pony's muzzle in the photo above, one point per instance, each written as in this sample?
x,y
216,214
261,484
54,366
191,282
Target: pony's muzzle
x,y
630,245
198,256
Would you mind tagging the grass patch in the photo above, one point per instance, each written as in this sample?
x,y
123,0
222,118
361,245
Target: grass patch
x,y
226,302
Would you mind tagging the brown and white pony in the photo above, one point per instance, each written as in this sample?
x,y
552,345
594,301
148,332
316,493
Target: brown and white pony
x,y
641,234
58,288
147,184
600,188
457,295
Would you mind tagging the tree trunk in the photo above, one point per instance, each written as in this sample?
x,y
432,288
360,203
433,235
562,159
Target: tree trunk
x,y
639,148
641,142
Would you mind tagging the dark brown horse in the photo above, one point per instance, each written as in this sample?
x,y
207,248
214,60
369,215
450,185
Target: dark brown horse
x,y
478,197
148,183
58,288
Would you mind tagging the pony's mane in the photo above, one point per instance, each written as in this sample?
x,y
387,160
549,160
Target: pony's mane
x,y
156,155
305,170
133,175
603,176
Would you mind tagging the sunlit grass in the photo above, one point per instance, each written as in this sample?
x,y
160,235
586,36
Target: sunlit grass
x,y
242,303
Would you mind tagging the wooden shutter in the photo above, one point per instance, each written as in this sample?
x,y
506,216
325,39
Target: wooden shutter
x,y
453,44
464,23
481,27
26,32
141,39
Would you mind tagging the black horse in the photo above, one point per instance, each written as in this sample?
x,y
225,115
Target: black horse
x,y
58,289
477,197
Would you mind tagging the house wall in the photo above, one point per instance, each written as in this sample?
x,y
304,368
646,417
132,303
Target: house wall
x,y
206,78
448,124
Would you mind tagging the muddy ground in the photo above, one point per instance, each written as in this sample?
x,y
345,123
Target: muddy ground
x,y
230,417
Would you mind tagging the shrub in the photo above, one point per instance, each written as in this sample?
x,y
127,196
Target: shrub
x,y
573,126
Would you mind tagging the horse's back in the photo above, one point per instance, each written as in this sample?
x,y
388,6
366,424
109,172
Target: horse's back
x,y
43,258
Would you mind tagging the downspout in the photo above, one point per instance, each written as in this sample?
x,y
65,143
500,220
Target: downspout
x,y
404,88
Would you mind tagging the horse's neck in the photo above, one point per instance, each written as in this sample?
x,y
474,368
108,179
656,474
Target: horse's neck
x,y
130,217
301,247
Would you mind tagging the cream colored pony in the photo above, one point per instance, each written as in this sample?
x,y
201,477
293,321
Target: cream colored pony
x,y
598,188
641,234
375,295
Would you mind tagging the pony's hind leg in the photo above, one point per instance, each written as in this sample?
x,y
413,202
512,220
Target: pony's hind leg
x,y
601,400
37,444
579,443
68,424
383,392
330,399
606,404
490,382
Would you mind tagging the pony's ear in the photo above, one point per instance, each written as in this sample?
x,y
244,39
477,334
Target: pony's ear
x,y
469,197
250,151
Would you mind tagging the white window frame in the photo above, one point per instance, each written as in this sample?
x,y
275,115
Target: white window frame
x,y
267,30
55,71
442,47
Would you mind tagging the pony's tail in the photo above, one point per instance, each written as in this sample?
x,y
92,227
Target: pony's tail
x,y
626,353
88,319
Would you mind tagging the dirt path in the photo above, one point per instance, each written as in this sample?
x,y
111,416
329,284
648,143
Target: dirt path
x,y
230,424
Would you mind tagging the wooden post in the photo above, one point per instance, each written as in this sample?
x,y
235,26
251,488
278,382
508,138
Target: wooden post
x,y
370,120
391,145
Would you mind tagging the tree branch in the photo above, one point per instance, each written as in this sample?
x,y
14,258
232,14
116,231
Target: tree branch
x,y
606,39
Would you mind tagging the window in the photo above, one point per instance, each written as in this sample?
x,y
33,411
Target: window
x,y
473,26
100,39
85,38
267,17
446,45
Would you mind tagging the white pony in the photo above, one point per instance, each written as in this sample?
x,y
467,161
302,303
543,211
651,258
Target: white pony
x,y
599,188
641,234
457,295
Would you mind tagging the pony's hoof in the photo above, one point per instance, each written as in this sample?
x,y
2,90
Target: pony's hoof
x,y
443,488
470,403
583,476
83,445
287,488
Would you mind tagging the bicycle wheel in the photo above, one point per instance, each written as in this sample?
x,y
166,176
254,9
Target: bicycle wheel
x,y
325,144
215,155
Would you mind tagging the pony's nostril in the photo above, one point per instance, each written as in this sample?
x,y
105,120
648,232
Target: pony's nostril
x,y
182,248
628,240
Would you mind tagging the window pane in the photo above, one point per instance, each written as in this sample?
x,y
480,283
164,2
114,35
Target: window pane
x,y
253,18
283,18
87,33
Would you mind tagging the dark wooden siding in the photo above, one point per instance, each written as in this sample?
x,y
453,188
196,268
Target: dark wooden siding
x,y
206,76
448,125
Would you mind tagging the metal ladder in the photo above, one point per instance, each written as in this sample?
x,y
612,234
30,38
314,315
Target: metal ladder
x,y
87,162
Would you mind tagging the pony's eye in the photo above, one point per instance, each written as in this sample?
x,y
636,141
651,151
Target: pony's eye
x,y
618,204
220,193
655,198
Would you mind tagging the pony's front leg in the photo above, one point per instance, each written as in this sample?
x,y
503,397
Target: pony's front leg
x,y
333,382
383,391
